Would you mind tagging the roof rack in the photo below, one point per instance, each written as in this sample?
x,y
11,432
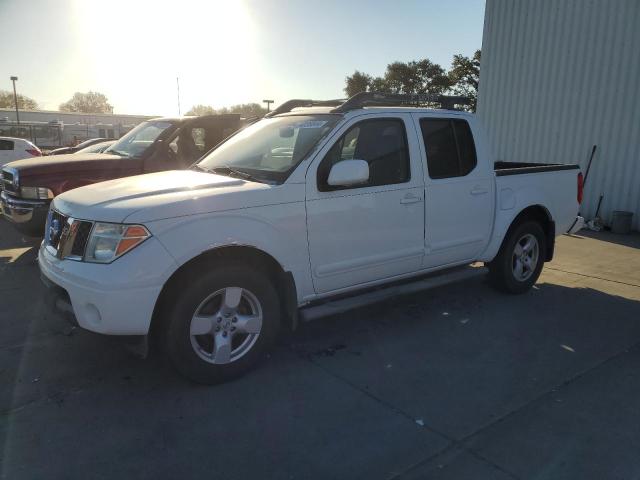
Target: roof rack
x,y
291,104
375,99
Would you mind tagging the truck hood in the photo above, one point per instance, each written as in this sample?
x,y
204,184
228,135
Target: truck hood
x,y
156,196
53,164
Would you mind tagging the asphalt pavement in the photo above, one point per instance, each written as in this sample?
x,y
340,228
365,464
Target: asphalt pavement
x,y
456,382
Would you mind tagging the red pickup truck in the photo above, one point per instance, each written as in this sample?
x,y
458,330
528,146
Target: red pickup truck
x,y
28,186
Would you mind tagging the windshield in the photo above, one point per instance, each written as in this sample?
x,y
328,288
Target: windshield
x,y
139,139
270,149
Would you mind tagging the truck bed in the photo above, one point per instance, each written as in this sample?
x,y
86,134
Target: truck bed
x,y
517,168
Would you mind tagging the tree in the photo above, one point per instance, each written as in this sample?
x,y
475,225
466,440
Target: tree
x,y
422,76
90,102
358,82
465,76
201,110
247,110
24,103
432,78
244,109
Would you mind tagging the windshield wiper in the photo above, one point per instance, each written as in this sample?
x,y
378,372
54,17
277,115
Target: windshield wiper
x,y
234,172
197,166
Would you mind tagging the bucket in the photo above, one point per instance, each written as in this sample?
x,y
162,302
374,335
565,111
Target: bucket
x,y
621,221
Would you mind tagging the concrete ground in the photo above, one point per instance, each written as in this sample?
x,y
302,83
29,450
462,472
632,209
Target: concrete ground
x,y
458,382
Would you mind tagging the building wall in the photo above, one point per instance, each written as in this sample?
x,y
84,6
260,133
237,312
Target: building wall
x,y
68,118
557,77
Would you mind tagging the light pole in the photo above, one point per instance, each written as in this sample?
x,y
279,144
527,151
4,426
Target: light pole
x,y
178,91
15,98
268,102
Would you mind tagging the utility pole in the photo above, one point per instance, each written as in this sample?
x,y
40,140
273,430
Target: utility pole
x,y
178,85
15,98
268,102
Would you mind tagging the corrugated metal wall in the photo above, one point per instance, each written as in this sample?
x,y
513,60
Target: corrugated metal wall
x,y
559,76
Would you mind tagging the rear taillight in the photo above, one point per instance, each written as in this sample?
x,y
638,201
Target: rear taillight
x,y
580,187
34,152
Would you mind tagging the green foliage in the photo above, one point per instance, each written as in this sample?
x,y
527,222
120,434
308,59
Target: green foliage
x,y
199,109
90,102
421,76
358,82
465,76
244,109
24,103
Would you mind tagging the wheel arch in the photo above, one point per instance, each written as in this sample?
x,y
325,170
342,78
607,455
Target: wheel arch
x,y
282,279
542,215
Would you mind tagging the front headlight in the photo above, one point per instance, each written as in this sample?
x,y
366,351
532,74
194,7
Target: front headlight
x,y
36,193
109,241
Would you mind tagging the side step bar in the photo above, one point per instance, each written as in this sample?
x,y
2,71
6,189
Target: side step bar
x,y
341,305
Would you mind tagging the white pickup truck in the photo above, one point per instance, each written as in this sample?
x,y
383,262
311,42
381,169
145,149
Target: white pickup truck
x,y
317,203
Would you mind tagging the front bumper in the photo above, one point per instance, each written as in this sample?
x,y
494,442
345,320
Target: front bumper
x,y
113,299
28,213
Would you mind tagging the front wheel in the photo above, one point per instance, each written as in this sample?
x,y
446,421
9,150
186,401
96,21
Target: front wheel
x,y
519,262
222,323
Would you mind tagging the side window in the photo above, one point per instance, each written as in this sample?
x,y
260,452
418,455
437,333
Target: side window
x,y
188,145
6,145
450,148
382,143
174,145
198,138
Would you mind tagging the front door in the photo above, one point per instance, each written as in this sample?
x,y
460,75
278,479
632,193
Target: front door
x,y
459,192
373,231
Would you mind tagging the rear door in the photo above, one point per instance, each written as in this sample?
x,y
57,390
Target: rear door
x,y
459,191
369,232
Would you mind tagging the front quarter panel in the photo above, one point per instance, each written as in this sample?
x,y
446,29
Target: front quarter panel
x,y
278,230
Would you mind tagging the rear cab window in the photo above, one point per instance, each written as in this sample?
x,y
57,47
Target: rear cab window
x,y
449,147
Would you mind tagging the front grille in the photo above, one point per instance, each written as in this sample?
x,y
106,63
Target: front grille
x,y
82,237
7,181
65,236
53,230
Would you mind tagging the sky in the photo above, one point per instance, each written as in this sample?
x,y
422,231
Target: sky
x,y
224,52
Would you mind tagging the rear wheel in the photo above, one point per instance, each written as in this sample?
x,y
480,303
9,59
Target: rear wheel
x,y
520,259
222,323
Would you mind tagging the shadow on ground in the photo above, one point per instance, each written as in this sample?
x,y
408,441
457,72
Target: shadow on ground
x,y
411,387
628,240
15,248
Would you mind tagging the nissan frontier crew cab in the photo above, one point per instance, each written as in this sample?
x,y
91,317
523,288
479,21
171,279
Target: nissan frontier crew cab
x,y
319,202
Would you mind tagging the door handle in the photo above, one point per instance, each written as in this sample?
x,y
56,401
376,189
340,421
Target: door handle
x,y
478,190
410,198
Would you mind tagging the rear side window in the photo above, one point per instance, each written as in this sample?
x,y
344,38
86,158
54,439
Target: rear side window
x,y
6,145
382,143
449,145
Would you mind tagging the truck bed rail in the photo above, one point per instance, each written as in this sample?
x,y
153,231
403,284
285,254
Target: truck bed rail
x,y
520,168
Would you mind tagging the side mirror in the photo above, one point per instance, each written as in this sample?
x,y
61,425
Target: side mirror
x,y
348,172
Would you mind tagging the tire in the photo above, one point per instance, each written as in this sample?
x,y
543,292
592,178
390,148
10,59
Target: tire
x,y
519,262
227,341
